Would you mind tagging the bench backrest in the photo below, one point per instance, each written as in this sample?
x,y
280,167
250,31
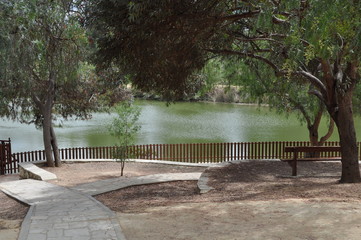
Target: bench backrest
x,y
313,149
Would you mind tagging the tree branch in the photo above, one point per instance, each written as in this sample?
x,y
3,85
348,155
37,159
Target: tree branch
x,y
317,94
269,37
319,114
331,127
315,82
302,109
236,17
326,69
277,20
37,100
246,54
252,39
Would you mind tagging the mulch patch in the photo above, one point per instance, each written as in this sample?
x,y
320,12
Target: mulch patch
x,y
138,198
249,180
11,209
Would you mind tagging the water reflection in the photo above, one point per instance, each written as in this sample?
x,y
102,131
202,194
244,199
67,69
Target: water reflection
x,y
178,123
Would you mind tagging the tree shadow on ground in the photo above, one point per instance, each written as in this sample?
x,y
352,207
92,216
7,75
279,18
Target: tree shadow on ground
x,y
243,181
266,180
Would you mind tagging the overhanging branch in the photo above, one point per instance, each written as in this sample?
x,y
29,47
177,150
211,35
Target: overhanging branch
x,y
315,82
331,127
317,94
246,54
302,109
236,17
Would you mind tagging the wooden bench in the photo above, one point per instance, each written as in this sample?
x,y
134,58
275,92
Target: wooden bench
x,y
309,149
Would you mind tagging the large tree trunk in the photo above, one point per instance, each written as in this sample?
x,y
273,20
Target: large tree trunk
x,y
313,135
54,144
337,94
47,122
331,127
313,130
348,142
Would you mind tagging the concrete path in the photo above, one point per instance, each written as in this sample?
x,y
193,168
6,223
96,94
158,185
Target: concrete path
x,y
59,213
107,185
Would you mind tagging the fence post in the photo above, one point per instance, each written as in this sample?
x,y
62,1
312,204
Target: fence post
x,y
195,153
2,158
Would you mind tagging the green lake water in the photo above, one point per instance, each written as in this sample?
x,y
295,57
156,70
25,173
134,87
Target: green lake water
x,y
179,123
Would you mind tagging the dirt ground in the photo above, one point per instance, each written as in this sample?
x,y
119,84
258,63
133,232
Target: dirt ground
x,y
12,213
71,174
250,200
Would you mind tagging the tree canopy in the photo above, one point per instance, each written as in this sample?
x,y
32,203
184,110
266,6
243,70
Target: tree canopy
x,y
283,95
159,43
42,67
162,43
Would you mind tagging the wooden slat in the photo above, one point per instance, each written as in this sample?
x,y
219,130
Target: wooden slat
x,y
195,153
313,149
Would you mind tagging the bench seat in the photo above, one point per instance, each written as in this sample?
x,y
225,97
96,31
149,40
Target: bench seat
x,y
325,159
309,149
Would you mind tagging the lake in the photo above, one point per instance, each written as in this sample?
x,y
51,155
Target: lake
x,y
182,122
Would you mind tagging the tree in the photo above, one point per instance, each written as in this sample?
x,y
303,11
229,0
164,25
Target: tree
x,y
285,96
41,72
259,84
124,128
161,43
140,35
317,45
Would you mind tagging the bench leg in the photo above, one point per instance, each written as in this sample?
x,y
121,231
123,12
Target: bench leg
x,y
294,164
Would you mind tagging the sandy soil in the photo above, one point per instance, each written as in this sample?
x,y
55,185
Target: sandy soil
x,y
244,181
251,200
271,220
12,213
71,174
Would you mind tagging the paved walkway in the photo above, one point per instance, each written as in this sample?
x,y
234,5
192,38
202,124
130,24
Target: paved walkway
x,y
61,213
107,185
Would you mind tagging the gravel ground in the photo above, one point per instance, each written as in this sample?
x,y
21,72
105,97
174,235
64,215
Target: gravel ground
x,y
71,174
250,200
244,193
253,180
12,214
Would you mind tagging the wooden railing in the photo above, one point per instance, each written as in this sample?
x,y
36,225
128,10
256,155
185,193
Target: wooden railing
x,y
5,155
188,153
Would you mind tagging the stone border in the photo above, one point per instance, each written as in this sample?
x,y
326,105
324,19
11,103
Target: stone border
x,y
202,183
203,180
25,225
30,170
144,161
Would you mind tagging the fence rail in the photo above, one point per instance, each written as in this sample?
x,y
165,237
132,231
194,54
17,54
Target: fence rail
x,y
5,156
188,153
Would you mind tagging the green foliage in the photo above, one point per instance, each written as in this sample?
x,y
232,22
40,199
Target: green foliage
x,y
213,73
228,72
320,32
159,44
41,59
124,128
162,43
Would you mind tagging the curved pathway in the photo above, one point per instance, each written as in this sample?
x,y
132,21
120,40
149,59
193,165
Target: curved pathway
x,y
61,213
111,184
